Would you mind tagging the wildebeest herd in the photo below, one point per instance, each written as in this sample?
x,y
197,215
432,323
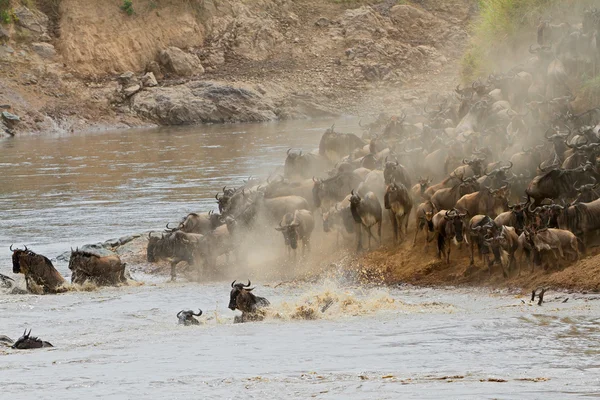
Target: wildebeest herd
x,y
504,164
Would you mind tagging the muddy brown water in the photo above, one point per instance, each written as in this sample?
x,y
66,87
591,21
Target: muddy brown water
x,y
63,191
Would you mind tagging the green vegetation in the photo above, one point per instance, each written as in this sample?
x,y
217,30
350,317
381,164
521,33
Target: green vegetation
x,y
6,12
497,29
127,7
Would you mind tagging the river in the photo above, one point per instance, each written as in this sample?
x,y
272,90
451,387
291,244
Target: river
x,y
372,343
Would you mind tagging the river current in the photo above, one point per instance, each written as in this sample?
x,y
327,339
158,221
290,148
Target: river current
x,y
64,191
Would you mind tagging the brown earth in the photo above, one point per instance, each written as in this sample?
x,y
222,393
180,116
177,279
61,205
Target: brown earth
x,y
301,58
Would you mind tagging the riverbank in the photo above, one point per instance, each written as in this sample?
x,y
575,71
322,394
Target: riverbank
x,y
65,70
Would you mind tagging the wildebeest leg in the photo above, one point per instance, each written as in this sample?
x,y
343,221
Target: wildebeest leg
x,y
369,235
448,256
359,238
379,231
472,245
395,226
173,270
417,232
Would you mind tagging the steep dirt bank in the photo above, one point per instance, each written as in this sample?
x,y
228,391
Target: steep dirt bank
x,y
420,266
222,61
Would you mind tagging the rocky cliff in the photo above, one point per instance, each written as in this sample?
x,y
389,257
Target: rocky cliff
x,y
71,65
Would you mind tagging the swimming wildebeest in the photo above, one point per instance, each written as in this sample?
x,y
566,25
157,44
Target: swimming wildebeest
x,y
38,270
250,305
30,342
186,317
86,266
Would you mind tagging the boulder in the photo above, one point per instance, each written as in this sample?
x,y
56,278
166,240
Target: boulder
x,y
32,20
131,90
155,69
203,102
44,50
149,80
127,79
10,119
178,62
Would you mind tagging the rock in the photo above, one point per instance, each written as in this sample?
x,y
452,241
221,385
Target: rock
x,y
127,78
322,22
10,119
4,35
203,102
32,20
29,79
44,50
4,106
149,80
155,69
177,61
131,90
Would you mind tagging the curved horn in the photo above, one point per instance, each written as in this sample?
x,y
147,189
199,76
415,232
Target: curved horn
x,y
232,283
288,152
11,249
248,285
25,248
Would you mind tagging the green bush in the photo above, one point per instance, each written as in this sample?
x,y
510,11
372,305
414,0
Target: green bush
x,y
127,7
5,12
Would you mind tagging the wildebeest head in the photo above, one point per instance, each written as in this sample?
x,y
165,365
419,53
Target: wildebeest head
x,y
157,247
454,225
424,184
186,317
242,299
16,259
29,342
289,228
476,165
354,199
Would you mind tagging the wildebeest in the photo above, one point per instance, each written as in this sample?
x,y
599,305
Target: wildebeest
x,y
335,145
424,216
38,270
486,202
479,227
395,171
274,209
557,183
446,198
198,223
299,165
241,298
297,226
399,203
580,218
418,190
27,341
186,317
448,225
86,266
548,240
366,213
327,192
515,217
339,218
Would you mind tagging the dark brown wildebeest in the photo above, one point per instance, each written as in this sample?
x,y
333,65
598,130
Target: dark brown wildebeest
x,y
485,202
515,217
241,298
366,213
579,218
335,146
424,216
587,193
393,170
27,341
558,183
448,224
398,202
479,227
38,270
186,317
86,266
299,165
297,226
327,192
